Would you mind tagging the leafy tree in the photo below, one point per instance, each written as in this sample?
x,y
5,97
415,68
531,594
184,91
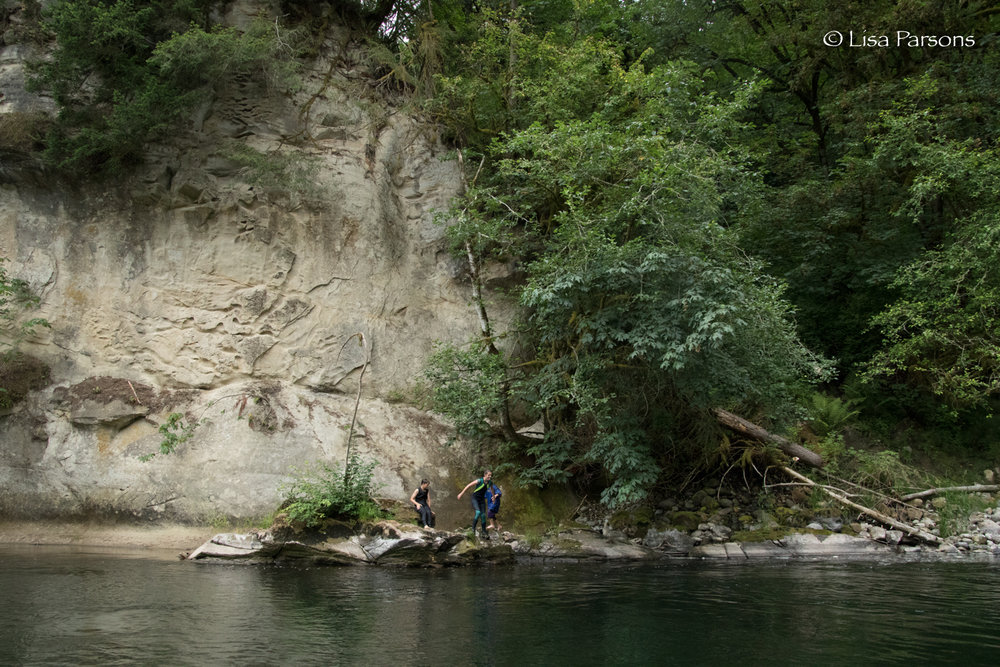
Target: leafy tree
x,y
873,159
838,209
467,386
942,333
614,190
390,20
641,330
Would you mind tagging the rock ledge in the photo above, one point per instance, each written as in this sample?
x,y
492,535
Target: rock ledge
x,y
394,544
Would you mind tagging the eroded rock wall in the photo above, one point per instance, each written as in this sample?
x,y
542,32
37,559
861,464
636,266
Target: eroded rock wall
x,y
209,288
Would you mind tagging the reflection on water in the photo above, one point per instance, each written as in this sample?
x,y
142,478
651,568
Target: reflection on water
x,y
84,607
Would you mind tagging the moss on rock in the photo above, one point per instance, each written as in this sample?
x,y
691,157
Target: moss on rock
x,y
685,520
531,508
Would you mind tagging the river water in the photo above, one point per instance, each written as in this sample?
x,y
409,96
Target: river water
x,y
88,606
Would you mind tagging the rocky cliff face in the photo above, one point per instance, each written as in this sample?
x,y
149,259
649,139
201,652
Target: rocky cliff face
x,y
195,286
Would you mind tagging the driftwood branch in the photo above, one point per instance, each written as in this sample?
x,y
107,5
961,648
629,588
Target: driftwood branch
x,y
899,525
750,429
970,489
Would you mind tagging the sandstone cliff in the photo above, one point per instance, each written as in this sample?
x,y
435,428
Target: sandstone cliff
x,y
195,286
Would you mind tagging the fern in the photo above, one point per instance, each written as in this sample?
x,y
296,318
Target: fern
x,y
830,414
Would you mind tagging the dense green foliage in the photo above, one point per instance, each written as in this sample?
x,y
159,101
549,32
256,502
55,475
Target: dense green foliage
x,y
467,386
690,189
324,492
614,187
124,72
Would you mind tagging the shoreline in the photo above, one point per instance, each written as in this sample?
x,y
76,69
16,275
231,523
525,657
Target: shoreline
x,y
182,537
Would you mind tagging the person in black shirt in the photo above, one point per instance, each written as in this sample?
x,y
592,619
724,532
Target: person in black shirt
x,y
421,500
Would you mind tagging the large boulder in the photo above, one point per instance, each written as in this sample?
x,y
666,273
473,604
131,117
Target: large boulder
x,y
383,543
669,540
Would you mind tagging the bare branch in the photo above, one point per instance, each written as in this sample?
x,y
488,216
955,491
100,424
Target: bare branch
x,y
909,530
970,489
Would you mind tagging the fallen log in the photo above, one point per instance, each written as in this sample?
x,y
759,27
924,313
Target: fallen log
x,y
744,427
888,520
944,489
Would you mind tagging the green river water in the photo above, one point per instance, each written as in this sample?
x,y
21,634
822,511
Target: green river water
x,y
88,606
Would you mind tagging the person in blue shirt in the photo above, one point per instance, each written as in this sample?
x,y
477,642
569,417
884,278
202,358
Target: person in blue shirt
x,y
493,506
479,487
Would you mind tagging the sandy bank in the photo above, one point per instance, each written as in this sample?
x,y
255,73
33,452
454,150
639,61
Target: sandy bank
x,y
158,536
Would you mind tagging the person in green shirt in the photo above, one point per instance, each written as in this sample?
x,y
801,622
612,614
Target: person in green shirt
x,y
479,488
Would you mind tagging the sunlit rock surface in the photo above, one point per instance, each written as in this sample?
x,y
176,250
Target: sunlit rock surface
x,y
251,306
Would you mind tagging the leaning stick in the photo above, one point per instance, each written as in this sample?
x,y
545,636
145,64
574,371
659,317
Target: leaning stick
x,y
363,342
133,392
910,530
944,489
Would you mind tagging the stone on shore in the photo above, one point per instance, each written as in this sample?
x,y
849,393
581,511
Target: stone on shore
x,y
587,545
796,545
228,546
990,528
769,550
381,543
403,545
669,541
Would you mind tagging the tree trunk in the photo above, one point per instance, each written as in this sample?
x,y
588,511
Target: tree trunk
x,y
750,429
485,330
